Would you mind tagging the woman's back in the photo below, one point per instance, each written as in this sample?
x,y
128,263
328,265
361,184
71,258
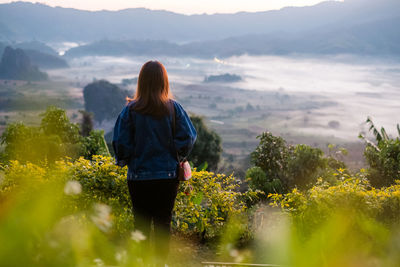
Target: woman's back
x,y
149,144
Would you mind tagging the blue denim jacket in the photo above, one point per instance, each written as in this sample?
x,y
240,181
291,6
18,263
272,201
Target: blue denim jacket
x,y
146,144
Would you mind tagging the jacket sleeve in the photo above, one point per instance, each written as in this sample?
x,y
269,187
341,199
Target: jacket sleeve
x,y
185,133
123,138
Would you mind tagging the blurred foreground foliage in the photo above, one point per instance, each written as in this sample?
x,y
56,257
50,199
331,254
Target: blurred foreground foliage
x,y
76,210
350,223
90,198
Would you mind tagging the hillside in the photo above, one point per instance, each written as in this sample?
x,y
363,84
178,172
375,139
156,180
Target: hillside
x,y
16,65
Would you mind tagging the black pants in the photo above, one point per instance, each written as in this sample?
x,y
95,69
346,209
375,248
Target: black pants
x,y
153,201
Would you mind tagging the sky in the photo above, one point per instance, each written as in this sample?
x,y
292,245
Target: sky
x,y
180,6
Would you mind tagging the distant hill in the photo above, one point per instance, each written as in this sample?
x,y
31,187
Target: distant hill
x,y
125,48
39,54
37,46
16,65
46,61
46,23
349,26
225,78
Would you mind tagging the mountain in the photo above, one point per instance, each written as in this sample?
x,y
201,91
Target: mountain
x,y
37,46
46,61
16,65
37,21
39,54
365,27
381,38
104,99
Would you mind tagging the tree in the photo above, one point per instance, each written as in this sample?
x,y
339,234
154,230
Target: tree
x,y
383,156
257,179
55,138
208,147
304,166
86,123
271,155
294,166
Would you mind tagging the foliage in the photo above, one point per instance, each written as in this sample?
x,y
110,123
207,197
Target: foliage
x,y
304,166
55,138
257,180
333,224
384,162
86,123
383,157
294,166
203,204
56,122
208,147
313,207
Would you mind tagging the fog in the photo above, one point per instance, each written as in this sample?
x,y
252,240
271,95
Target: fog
x,y
360,87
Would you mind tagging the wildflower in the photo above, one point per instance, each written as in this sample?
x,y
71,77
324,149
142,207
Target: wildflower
x,y
138,236
121,256
103,217
72,188
98,262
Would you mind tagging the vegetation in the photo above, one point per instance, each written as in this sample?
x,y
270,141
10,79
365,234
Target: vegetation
x,y
383,156
223,78
76,210
208,148
54,139
16,65
285,166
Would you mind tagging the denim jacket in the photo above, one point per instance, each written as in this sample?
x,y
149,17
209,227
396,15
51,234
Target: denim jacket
x,y
147,144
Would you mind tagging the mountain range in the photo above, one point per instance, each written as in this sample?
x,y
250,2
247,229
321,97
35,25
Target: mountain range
x,y
350,26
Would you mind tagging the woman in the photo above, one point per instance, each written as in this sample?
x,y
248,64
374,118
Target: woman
x,y
152,133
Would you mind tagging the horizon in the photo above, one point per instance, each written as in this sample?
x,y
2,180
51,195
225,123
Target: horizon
x,y
208,7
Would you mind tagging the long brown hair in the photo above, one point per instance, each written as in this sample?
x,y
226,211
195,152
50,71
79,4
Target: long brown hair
x,y
152,94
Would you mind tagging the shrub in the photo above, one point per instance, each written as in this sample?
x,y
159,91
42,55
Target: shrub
x,y
294,166
56,138
383,157
208,147
257,180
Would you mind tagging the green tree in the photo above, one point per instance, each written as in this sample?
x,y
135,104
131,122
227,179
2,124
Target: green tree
x,y
208,147
383,156
294,166
86,123
257,179
55,138
305,165
272,156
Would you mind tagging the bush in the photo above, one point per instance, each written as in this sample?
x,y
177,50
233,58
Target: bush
x,y
305,165
207,148
55,138
337,225
382,157
294,166
384,162
257,180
